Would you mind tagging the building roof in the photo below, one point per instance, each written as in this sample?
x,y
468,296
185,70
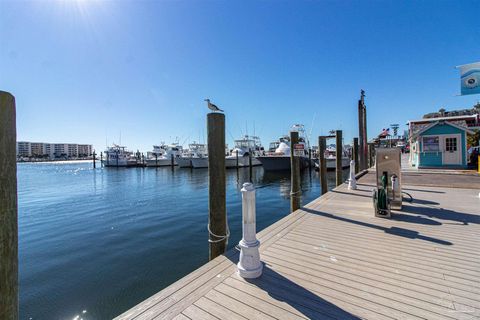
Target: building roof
x,y
441,122
465,117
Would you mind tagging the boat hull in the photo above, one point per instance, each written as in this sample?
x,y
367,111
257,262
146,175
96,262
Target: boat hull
x,y
278,163
159,162
332,163
184,162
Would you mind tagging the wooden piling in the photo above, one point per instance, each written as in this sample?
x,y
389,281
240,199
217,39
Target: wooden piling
x,y
355,153
322,163
361,155
339,155
94,159
8,209
156,160
309,158
295,192
371,154
172,161
236,158
217,219
101,158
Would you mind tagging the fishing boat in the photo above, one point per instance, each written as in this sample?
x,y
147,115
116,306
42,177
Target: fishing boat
x,y
194,151
278,156
244,148
117,156
331,157
164,155
202,162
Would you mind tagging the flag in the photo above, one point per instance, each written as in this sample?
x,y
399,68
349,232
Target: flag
x,y
470,78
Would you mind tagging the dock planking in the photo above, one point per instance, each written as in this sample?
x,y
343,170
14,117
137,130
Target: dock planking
x,y
332,259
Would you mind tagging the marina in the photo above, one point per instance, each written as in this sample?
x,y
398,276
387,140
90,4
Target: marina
x,y
216,160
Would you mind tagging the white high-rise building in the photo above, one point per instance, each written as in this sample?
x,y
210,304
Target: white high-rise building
x,y
53,150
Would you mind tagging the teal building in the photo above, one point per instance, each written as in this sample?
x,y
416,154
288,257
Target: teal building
x,y
438,144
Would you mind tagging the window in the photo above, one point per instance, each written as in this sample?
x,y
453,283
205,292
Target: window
x,y
431,144
451,144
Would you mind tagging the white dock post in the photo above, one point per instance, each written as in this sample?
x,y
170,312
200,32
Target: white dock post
x,y
352,182
249,264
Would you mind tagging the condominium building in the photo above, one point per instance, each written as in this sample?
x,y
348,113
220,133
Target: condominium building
x,y
53,150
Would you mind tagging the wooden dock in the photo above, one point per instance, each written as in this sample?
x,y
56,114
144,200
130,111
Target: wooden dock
x,y
332,259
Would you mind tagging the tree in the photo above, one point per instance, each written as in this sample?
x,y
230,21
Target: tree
x,y
473,139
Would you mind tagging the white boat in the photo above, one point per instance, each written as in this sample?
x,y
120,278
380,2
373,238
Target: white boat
x,y
164,155
278,156
240,154
117,156
202,162
331,157
194,151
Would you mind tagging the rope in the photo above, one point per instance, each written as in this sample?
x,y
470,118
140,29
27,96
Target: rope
x,y
408,194
220,238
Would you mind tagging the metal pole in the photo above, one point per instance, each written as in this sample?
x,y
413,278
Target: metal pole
x,y
355,153
295,192
8,209
339,155
217,219
322,164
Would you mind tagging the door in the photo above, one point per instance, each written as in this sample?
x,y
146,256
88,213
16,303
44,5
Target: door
x,y
452,149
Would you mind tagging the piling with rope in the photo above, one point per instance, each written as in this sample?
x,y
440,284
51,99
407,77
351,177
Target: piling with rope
x,y
339,156
295,193
217,219
8,209
322,163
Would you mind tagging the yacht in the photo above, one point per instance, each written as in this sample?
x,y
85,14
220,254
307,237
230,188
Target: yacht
x,y
164,155
202,162
117,156
243,148
194,151
331,157
278,156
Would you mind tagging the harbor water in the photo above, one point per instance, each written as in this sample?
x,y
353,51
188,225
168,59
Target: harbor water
x,y
95,242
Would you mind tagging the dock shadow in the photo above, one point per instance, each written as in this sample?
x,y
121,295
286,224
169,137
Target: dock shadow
x,y
398,216
421,190
309,304
401,232
443,214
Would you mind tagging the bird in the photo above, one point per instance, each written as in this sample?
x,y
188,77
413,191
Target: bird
x,y
213,107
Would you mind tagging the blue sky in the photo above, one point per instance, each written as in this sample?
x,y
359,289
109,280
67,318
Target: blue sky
x,y
86,71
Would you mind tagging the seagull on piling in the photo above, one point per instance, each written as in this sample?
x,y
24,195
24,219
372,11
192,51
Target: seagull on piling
x,y
213,107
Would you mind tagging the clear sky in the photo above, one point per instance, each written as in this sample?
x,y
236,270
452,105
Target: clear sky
x,y
87,71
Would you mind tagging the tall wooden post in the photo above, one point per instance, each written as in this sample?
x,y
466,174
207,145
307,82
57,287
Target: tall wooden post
x,y
8,209
156,159
295,192
355,153
365,137
322,164
217,219
309,158
361,132
236,158
172,161
339,156
371,152
94,159
101,158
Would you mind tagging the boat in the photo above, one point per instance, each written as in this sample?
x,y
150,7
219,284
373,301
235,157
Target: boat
x,y
244,148
117,156
164,155
278,156
331,158
202,162
194,151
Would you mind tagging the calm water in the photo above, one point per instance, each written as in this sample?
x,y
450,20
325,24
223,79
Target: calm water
x,y
95,242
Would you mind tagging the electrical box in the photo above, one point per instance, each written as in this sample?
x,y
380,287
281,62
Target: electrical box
x,y
389,160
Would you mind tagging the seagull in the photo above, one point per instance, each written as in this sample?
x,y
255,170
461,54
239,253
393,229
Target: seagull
x,y
213,107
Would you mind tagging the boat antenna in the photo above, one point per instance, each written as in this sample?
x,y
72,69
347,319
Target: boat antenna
x,y
311,129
